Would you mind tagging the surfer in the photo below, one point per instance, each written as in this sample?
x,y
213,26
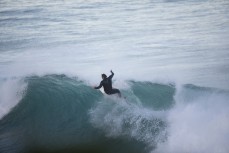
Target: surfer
x,y
106,83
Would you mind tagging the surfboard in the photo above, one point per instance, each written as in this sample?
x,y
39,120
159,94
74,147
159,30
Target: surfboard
x,y
102,91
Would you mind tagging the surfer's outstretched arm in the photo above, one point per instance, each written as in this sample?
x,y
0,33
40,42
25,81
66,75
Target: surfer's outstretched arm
x,y
99,86
112,74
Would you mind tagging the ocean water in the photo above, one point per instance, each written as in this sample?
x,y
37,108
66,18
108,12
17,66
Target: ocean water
x,y
170,59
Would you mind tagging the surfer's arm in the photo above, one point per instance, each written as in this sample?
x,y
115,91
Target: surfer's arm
x,y
112,74
99,86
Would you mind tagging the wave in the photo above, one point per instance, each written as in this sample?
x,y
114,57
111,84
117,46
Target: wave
x,y
57,113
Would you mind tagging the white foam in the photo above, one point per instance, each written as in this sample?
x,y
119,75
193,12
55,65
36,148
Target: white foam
x,y
11,92
198,126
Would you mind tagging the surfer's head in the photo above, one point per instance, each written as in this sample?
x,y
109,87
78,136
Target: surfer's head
x,y
104,76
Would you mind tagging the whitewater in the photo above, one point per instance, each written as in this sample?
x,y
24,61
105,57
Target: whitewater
x,y
170,59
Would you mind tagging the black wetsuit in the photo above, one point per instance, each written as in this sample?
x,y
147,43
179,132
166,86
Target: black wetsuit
x,y
107,85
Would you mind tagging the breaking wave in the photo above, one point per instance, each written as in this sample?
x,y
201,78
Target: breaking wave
x,y
57,113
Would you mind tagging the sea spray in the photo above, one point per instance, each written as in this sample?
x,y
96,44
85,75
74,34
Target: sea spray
x,y
199,121
120,118
11,92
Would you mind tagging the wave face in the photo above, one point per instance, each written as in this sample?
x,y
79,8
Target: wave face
x,y
61,114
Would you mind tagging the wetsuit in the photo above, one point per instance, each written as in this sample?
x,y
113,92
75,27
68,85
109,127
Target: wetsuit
x,y
107,85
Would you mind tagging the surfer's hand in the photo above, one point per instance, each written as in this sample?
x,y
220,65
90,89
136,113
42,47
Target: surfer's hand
x,y
111,71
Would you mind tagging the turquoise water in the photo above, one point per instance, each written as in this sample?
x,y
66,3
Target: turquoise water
x,y
170,60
